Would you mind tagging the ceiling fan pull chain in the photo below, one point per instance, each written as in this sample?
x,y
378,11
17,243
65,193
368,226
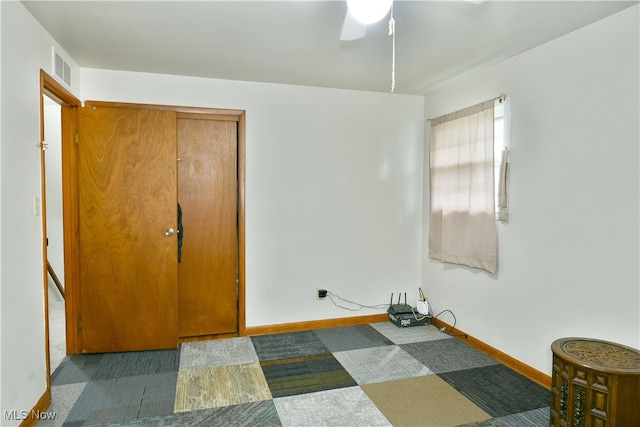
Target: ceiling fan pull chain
x,y
392,33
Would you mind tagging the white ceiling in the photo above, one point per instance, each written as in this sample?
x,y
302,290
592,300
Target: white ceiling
x,y
297,42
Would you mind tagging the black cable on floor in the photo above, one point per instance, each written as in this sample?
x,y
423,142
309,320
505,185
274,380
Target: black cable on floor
x,y
453,326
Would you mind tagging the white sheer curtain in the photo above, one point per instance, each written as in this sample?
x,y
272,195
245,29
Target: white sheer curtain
x,y
462,227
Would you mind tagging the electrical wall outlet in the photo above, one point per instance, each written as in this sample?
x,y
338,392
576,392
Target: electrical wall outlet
x,y
322,293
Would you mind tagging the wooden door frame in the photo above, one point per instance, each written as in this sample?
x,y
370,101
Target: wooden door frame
x,y
201,113
50,87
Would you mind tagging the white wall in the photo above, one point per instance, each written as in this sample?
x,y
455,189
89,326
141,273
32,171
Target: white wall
x,y
569,257
26,48
333,187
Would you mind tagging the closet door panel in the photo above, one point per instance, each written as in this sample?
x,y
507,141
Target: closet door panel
x,y
127,209
207,193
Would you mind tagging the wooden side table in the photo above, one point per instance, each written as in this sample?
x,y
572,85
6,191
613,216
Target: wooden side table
x,y
594,383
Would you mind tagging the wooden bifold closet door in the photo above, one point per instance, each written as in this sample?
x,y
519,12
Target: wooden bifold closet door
x,y
134,166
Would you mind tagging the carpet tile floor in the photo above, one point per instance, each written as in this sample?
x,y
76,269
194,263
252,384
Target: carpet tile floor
x,y
368,375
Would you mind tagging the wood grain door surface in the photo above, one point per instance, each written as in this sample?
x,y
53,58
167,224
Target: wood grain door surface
x,y
127,200
207,192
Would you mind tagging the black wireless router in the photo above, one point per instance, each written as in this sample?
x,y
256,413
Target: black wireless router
x,y
399,308
403,315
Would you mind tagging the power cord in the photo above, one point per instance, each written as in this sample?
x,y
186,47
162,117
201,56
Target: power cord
x,y
360,306
415,314
452,327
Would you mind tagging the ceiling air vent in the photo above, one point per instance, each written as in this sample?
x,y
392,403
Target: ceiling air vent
x,y
61,69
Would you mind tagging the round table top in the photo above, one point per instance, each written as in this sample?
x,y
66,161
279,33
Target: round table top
x,y
600,355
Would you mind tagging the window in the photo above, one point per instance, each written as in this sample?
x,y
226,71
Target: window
x,y
498,145
501,143
462,171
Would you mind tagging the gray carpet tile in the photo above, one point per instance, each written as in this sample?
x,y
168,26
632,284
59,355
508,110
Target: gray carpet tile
x,y
351,338
288,345
498,390
487,423
411,334
157,387
116,365
342,407
447,355
76,369
154,409
232,351
159,421
104,394
535,417
102,400
63,397
120,413
378,364
263,414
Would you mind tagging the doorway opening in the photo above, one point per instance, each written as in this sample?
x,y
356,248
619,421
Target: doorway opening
x,y
57,109
52,183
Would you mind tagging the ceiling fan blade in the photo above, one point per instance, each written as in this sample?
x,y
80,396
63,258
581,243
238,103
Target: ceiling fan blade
x,y
352,29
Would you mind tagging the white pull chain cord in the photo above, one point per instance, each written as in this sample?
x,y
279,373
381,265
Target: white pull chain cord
x,y
392,33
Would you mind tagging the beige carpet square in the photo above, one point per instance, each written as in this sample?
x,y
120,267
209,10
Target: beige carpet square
x,y
423,401
218,386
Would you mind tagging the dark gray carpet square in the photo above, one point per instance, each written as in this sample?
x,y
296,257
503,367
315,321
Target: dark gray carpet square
x,y
116,365
155,421
158,387
352,338
498,390
487,423
155,409
535,418
447,355
288,345
262,413
125,398
108,415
